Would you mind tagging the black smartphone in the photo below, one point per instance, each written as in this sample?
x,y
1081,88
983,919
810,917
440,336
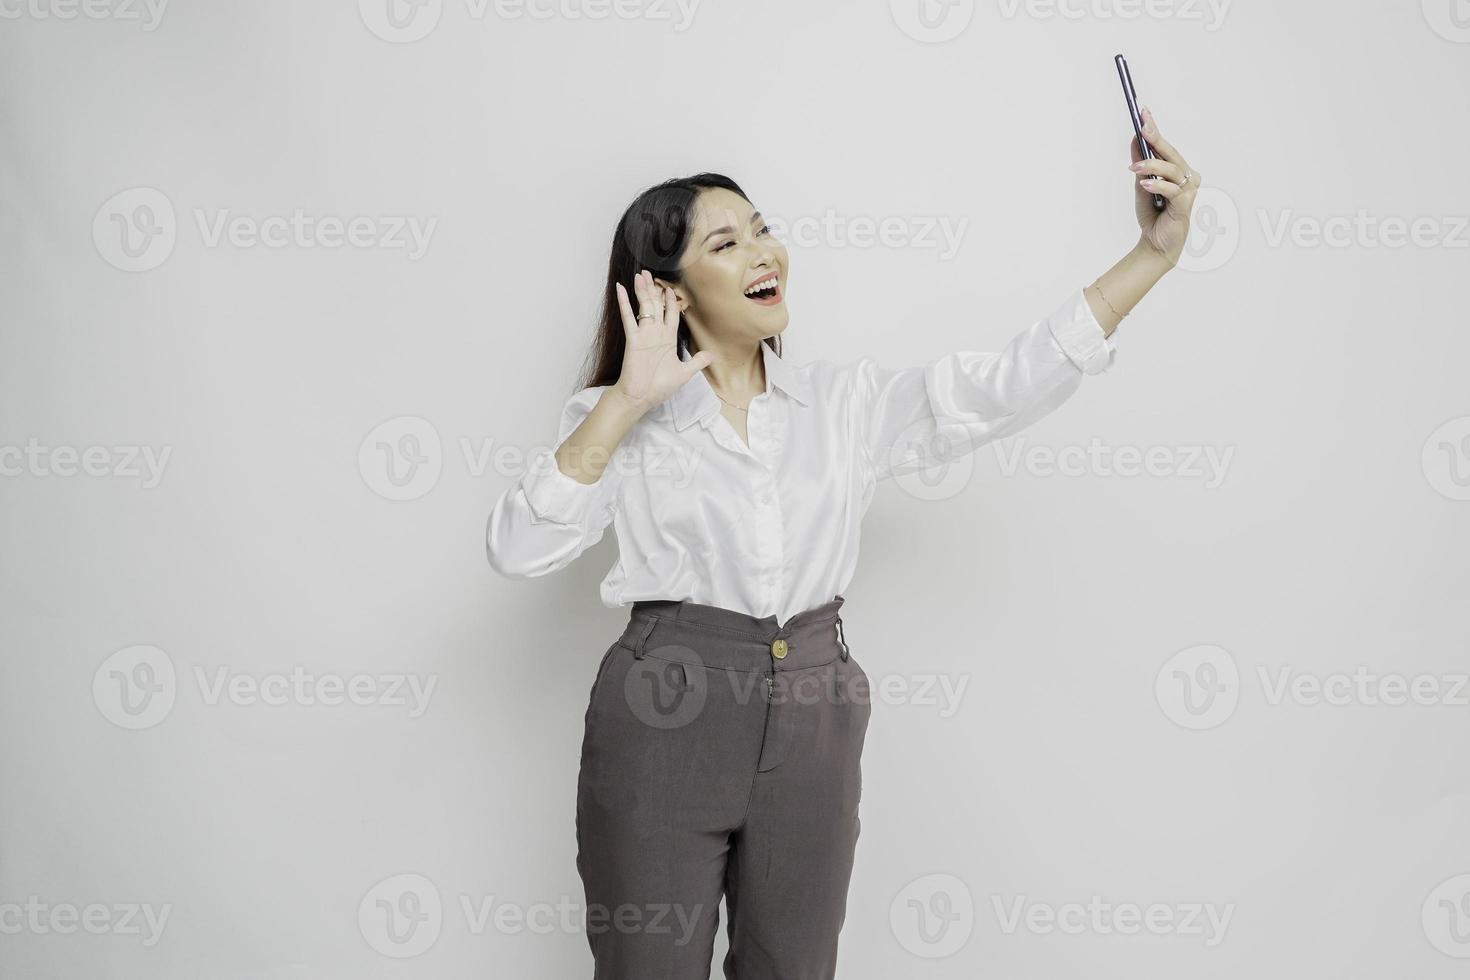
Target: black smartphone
x,y
1132,99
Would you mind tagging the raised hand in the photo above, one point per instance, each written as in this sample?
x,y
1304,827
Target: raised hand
x,y
1170,176
651,369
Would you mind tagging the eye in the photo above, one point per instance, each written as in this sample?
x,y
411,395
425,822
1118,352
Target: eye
x,y
765,229
721,248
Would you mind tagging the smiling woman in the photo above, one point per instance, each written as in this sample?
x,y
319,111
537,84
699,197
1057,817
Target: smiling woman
x,y
737,484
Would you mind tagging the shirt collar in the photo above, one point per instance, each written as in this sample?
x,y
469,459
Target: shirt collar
x,y
697,401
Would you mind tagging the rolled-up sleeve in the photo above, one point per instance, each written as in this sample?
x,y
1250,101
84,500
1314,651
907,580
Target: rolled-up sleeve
x,y
912,418
546,519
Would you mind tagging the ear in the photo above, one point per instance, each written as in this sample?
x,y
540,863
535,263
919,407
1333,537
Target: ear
x,y
679,296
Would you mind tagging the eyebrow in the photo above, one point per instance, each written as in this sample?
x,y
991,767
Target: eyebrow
x,y
727,230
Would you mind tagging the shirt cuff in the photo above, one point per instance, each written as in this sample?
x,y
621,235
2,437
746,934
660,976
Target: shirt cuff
x,y
1081,337
554,496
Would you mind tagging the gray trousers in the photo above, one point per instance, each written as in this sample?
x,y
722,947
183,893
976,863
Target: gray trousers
x,y
721,757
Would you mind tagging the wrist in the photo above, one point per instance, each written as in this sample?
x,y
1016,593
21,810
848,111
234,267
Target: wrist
x,y
627,410
1150,259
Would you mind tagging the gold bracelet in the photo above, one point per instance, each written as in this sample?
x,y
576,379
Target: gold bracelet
x,y
1109,305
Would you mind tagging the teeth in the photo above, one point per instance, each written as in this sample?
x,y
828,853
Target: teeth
x,y
762,286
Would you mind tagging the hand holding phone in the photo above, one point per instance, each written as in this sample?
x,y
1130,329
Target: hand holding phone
x,y
1132,99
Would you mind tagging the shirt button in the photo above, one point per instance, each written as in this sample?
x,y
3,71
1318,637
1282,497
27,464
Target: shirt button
x,y
778,649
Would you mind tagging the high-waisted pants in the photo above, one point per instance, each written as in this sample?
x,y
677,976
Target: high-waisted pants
x,y
721,757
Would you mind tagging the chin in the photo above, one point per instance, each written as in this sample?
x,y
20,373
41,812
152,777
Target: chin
x,y
777,320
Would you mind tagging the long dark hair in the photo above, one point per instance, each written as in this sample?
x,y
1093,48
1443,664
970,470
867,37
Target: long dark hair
x,y
652,235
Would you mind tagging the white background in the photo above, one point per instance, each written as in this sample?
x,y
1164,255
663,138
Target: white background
x,y
1335,539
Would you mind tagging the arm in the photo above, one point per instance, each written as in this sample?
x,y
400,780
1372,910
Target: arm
x,y
566,498
1116,292
910,418
967,398
905,418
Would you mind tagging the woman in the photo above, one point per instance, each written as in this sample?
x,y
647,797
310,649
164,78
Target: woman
x,y
725,726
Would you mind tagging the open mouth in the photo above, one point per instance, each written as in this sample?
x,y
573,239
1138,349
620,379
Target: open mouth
x,y
766,292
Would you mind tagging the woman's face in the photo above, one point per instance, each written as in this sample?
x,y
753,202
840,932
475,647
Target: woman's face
x,y
730,250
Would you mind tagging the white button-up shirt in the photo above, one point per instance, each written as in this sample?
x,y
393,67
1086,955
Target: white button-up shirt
x,y
772,527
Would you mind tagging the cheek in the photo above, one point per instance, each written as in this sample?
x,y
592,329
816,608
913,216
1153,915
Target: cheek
x,y
714,283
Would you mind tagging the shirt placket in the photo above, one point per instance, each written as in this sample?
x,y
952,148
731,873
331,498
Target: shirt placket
x,y
765,427
767,431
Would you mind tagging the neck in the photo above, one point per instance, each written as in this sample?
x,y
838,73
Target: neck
x,y
738,370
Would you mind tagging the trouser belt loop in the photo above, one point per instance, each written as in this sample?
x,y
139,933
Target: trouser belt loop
x,y
842,639
644,629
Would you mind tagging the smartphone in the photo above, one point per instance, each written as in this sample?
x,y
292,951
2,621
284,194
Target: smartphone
x,y
1132,99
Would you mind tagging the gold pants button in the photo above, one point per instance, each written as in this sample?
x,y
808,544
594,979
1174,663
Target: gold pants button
x,y
778,649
